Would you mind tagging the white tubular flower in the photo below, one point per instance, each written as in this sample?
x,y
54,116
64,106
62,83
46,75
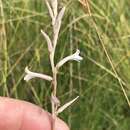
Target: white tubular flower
x,y
49,43
30,75
74,56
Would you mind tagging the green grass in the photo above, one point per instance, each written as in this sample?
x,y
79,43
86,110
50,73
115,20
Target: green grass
x,y
102,104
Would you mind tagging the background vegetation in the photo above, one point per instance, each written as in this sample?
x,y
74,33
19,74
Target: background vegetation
x,y
98,79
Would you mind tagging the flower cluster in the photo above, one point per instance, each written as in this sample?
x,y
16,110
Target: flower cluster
x,y
30,75
56,17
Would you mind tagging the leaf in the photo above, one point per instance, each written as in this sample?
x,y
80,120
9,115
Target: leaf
x,y
61,109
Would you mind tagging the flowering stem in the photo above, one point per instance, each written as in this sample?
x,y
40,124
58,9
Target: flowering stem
x,y
52,43
54,81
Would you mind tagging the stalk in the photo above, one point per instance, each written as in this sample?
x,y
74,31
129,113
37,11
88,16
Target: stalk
x,y
56,17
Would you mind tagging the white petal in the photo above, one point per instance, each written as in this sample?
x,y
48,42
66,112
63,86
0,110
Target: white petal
x,y
77,52
76,56
31,75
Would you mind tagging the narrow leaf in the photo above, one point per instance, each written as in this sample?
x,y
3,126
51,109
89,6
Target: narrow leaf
x,y
49,9
61,109
57,25
61,14
49,43
54,5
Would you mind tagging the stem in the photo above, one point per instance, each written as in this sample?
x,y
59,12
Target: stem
x,y
53,9
54,94
54,86
54,82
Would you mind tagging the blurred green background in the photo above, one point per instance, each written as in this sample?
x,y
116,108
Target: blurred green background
x,y
104,41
